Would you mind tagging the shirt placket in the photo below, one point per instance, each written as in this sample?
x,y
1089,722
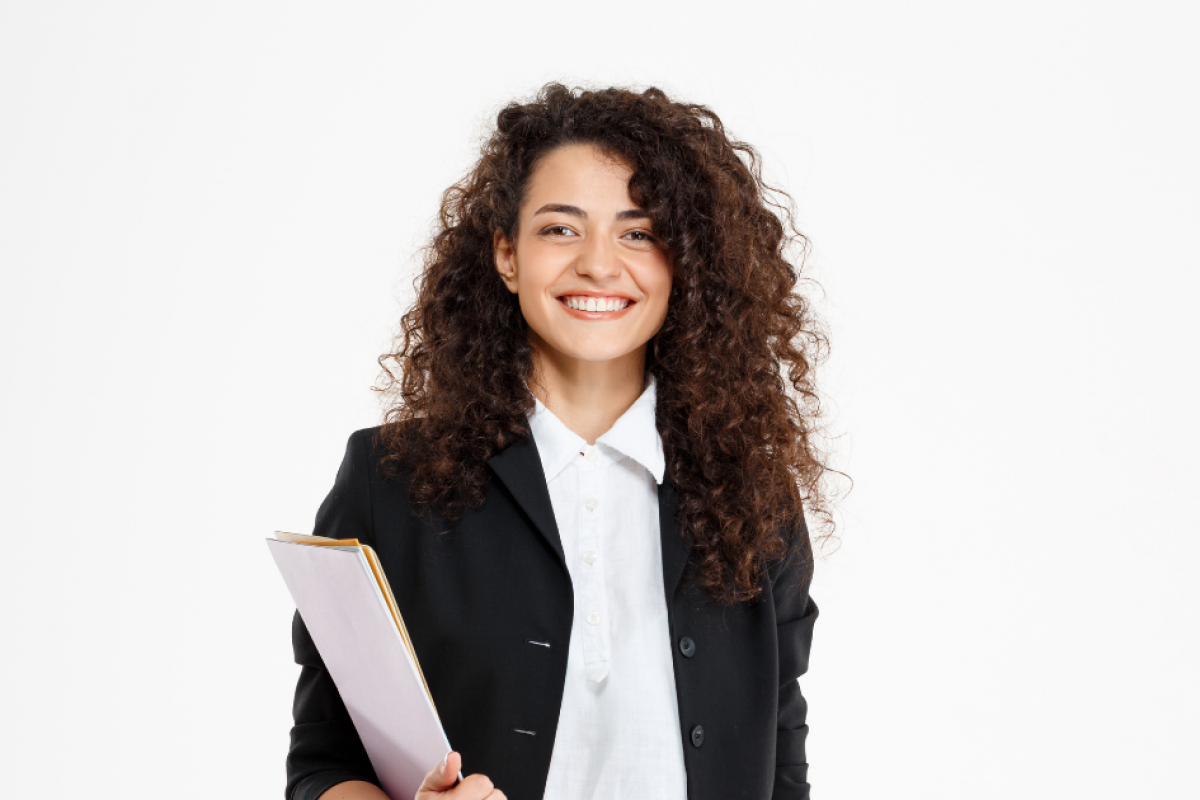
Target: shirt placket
x,y
596,621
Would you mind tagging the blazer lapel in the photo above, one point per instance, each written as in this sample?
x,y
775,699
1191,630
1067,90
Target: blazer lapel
x,y
675,548
520,467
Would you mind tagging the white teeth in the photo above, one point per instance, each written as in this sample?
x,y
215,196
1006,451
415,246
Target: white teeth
x,y
596,304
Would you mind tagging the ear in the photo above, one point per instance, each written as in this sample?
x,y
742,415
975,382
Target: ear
x,y
506,260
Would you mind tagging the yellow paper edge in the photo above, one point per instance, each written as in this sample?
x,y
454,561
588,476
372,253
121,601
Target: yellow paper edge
x,y
321,541
377,568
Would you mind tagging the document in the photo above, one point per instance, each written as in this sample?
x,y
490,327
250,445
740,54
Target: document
x,y
348,607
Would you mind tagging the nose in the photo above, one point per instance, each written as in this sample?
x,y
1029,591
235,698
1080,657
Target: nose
x,y
599,259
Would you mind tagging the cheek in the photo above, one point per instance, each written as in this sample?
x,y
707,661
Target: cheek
x,y
662,283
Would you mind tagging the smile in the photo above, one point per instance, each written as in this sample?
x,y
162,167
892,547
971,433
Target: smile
x,y
589,303
595,307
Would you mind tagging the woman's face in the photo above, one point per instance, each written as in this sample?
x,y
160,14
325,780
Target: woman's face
x,y
581,239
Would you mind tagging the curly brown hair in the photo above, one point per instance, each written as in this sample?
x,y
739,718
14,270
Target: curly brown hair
x,y
739,446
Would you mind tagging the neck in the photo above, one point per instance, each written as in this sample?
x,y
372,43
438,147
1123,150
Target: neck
x,y
588,396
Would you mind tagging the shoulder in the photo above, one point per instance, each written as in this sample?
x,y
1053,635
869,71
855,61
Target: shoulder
x,y
370,483
364,449
372,446
366,441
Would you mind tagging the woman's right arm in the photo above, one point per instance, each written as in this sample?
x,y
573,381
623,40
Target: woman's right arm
x,y
326,750
355,790
327,760
325,747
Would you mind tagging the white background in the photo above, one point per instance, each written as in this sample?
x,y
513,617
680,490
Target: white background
x,y
208,217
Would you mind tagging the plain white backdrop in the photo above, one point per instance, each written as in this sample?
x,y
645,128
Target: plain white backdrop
x,y
208,218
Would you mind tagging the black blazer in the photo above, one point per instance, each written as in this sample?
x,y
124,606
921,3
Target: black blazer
x,y
474,598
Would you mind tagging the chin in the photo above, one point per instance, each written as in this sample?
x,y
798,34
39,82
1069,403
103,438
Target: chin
x,y
597,353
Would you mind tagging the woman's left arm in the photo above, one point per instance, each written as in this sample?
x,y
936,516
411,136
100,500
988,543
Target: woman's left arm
x,y
795,613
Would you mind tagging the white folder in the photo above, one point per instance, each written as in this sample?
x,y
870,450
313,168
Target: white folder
x,y
346,604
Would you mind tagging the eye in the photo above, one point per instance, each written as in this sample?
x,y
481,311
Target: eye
x,y
558,230
641,236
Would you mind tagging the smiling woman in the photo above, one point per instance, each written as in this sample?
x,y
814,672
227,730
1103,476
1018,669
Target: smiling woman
x,y
587,256
589,491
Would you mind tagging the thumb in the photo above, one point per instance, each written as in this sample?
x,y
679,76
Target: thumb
x,y
444,775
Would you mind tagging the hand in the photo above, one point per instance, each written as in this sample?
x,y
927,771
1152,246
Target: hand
x,y
439,783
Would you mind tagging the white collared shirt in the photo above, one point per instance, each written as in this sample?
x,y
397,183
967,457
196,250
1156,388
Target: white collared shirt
x,y
618,728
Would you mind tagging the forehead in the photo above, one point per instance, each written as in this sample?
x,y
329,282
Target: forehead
x,y
579,174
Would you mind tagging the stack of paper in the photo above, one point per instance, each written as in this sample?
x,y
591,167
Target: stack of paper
x,y
345,601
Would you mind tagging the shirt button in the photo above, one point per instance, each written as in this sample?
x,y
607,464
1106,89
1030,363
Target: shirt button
x,y
591,503
593,618
590,455
697,736
589,557
687,647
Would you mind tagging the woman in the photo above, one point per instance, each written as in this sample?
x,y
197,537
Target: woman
x,y
587,495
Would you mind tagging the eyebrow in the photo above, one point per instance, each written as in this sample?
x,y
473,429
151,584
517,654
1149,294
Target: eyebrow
x,y
576,211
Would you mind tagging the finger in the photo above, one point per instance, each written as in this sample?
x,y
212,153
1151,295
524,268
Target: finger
x,y
474,787
443,776
450,768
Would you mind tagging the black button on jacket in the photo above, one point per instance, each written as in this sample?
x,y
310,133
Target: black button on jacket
x,y
482,602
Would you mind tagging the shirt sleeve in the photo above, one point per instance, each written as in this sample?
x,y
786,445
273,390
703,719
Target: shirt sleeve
x,y
795,613
325,747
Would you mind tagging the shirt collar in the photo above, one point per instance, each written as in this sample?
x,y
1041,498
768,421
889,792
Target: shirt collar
x,y
634,435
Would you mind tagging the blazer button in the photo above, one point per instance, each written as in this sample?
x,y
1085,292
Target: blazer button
x,y
697,736
687,647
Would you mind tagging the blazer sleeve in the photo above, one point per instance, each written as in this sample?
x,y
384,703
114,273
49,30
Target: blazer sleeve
x,y
325,747
795,613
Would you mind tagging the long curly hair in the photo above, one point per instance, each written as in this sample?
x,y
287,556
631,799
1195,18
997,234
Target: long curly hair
x,y
739,445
